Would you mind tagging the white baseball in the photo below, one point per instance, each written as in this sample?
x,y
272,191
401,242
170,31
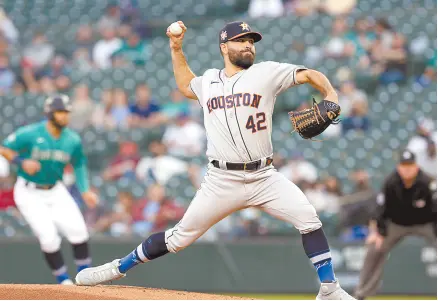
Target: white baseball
x,y
175,29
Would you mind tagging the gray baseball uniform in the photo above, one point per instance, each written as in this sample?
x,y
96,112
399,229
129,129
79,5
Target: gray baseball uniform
x,y
238,121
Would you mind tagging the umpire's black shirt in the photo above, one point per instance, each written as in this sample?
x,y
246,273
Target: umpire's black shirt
x,y
406,206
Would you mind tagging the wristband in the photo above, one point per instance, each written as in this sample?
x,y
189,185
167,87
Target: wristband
x,y
18,160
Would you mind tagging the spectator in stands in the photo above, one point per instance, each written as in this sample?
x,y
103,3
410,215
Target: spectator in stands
x,y
45,85
357,207
424,145
38,53
265,8
159,167
120,109
59,72
4,47
102,111
129,11
35,57
196,174
18,88
82,61
6,185
82,108
429,75
7,28
389,53
83,49
133,51
5,169
177,106
357,119
156,212
384,34
124,163
118,222
395,61
246,224
111,18
7,199
193,142
93,215
144,112
7,76
299,170
124,31
84,40
324,196
362,37
336,7
302,8
349,95
104,48
333,194
337,45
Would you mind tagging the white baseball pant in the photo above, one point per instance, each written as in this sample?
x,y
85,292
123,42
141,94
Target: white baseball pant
x,y
224,192
48,211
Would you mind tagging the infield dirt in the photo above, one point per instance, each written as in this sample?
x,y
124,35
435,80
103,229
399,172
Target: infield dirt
x,y
100,292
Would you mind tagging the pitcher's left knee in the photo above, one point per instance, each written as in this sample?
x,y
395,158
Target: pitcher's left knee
x,y
177,239
309,221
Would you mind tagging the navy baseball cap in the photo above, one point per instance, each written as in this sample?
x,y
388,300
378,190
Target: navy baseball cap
x,y
236,30
60,102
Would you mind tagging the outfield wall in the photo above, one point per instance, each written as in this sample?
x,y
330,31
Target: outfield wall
x,y
259,267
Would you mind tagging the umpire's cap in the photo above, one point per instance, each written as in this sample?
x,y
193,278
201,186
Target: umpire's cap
x,y
407,157
236,30
59,102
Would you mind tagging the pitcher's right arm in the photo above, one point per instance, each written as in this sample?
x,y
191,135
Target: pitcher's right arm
x,y
181,69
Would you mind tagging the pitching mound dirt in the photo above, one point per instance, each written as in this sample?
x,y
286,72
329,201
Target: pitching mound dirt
x,y
100,292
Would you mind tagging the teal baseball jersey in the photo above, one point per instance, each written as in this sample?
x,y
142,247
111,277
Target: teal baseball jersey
x,y
35,142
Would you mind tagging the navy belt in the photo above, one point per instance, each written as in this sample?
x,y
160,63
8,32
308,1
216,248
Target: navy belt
x,y
38,186
255,165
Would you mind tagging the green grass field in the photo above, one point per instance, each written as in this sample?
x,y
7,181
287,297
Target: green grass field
x,y
312,297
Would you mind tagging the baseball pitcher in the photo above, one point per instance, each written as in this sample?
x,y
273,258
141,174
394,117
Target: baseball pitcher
x,y
41,151
237,103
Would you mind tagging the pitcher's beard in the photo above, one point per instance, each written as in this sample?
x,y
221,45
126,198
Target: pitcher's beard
x,y
241,60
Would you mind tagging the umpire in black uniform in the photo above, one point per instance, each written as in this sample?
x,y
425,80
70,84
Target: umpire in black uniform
x,y
405,206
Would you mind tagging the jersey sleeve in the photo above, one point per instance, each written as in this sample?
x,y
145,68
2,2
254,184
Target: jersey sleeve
x,y
283,75
196,86
19,140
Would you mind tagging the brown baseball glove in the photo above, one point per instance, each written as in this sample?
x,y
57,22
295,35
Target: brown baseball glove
x,y
312,122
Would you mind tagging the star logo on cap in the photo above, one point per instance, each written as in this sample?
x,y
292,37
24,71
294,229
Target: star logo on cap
x,y
244,26
406,155
223,35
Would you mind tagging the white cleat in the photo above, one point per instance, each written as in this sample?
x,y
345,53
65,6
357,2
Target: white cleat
x,y
332,291
67,282
100,274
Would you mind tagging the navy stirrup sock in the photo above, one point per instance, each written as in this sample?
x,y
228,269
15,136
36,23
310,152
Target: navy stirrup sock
x,y
151,248
317,249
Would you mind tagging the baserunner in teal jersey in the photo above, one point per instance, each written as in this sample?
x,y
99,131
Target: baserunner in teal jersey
x,y
41,151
